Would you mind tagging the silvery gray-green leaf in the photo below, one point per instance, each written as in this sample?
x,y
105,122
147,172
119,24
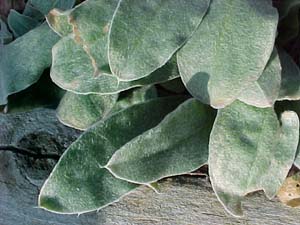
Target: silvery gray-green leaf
x,y
250,151
229,50
177,145
282,106
89,72
5,35
79,182
82,111
145,34
32,52
264,92
45,6
290,78
20,24
76,74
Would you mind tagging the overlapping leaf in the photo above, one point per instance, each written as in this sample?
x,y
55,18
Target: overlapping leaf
x,y
89,72
20,24
79,182
145,34
249,151
264,92
15,77
5,35
45,6
290,78
229,50
82,111
177,145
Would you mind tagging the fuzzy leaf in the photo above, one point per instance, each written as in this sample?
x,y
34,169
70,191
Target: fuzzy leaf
x,y
79,182
177,145
20,24
82,111
5,35
59,22
249,151
15,77
89,72
76,74
145,34
264,92
290,78
45,6
229,50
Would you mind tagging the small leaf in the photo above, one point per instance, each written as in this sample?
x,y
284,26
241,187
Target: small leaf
x,y
264,92
79,182
20,24
5,35
249,151
290,78
145,34
289,193
43,94
229,50
82,111
177,145
45,6
32,52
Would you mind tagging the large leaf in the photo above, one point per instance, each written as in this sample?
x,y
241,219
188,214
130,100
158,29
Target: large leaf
x,y
249,151
229,50
290,78
179,144
23,61
264,92
79,182
145,34
20,24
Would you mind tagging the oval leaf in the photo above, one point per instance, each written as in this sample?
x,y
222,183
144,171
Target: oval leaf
x,y
82,111
229,50
178,145
145,34
32,52
79,182
249,151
